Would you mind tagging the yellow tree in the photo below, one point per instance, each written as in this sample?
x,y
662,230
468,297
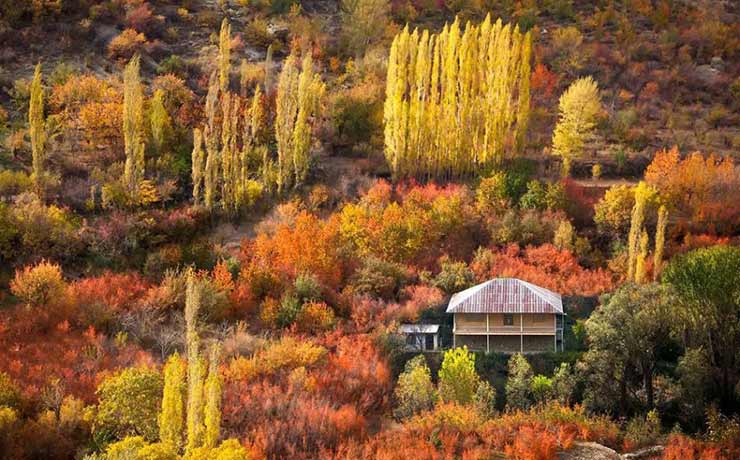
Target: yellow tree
x,y
643,193
580,104
173,407
159,120
196,366
198,165
37,130
224,55
133,128
457,100
213,400
660,240
298,98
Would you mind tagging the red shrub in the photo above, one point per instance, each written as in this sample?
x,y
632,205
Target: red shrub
x,y
532,443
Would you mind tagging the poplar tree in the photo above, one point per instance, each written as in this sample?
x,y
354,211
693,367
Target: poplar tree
x,y
224,55
160,120
659,240
196,371
580,104
641,258
37,130
213,400
198,164
457,100
298,98
268,70
133,128
642,194
173,408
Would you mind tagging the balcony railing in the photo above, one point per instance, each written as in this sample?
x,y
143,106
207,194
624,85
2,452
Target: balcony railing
x,y
504,330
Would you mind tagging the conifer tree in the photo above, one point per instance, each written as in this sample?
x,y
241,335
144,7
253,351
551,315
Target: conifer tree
x,y
213,400
133,128
160,120
196,366
659,240
298,97
173,408
455,100
224,55
37,130
580,104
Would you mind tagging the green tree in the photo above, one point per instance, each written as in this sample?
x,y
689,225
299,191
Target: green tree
x,y
37,130
519,383
173,403
133,129
630,327
707,282
541,387
579,107
414,391
458,380
564,384
363,22
129,404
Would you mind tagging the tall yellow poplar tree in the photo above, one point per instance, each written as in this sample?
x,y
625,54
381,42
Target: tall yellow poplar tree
x,y
659,240
198,164
224,55
213,400
643,193
457,100
133,128
173,407
196,366
37,130
298,98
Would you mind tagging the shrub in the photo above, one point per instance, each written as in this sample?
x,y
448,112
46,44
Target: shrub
x,y
126,44
287,353
453,276
9,393
532,443
414,391
315,317
378,278
39,285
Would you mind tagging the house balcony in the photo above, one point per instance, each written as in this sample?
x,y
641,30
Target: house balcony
x,y
503,330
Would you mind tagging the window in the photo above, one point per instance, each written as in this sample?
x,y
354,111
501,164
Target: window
x,y
508,320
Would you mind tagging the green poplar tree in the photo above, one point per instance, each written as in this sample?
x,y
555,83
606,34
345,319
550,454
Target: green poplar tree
x,y
37,130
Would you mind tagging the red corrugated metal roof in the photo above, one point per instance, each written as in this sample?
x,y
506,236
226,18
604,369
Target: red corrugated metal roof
x,y
506,295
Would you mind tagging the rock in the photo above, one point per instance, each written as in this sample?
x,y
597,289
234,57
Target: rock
x,y
706,75
589,451
717,64
648,453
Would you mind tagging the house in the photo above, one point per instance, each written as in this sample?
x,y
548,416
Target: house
x,y
507,315
420,337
